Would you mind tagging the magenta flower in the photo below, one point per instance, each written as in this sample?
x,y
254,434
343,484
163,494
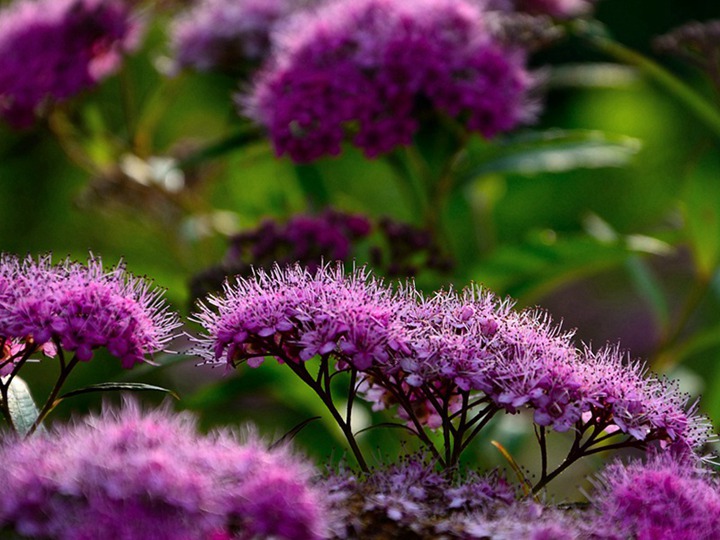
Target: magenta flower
x,y
370,69
51,50
664,498
228,35
428,356
128,474
80,308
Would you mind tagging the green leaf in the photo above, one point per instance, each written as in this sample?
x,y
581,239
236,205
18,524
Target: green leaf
x,y
649,288
116,387
246,135
312,184
23,410
548,151
529,270
701,201
290,435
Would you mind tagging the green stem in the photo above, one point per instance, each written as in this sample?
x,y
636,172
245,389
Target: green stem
x,y
50,403
703,110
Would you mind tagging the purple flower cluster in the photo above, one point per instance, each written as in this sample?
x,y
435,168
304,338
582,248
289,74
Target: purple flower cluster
x,y
408,499
663,498
131,475
431,355
561,9
401,249
371,69
52,49
226,34
79,308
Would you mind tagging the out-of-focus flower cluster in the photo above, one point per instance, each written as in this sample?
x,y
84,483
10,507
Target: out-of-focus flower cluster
x,y
79,308
371,69
52,49
132,475
661,498
408,499
227,35
562,9
429,355
401,250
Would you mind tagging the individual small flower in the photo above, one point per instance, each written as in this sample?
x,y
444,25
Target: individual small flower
x,y
51,50
228,35
129,474
369,70
81,308
663,498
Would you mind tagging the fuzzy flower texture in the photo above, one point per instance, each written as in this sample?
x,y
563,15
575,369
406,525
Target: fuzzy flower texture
x,y
371,69
78,308
226,35
450,346
130,475
51,50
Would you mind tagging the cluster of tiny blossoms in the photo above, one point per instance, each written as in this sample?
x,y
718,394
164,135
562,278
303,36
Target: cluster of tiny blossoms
x,y
370,69
228,35
79,308
51,50
431,355
131,475
408,499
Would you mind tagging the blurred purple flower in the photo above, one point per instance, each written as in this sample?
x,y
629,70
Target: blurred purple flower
x,y
369,69
130,474
408,498
562,9
51,50
663,498
229,35
81,308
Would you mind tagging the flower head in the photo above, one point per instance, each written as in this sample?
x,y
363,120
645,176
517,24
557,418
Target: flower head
x,y
663,498
51,50
370,69
226,34
428,354
121,474
81,308
408,498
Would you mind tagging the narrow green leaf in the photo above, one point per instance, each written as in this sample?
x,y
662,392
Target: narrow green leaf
x,y
290,435
232,142
23,410
116,387
548,152
312,184
701,200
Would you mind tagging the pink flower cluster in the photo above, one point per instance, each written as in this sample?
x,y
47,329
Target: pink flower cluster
x,y
51,50
371,69
436,352
130,475
79,308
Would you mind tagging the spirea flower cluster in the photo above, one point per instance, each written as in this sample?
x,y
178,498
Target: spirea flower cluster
x,y
80,308
396,249
370,69
134,475
663,498
429,355
228,35
51,50
408,499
